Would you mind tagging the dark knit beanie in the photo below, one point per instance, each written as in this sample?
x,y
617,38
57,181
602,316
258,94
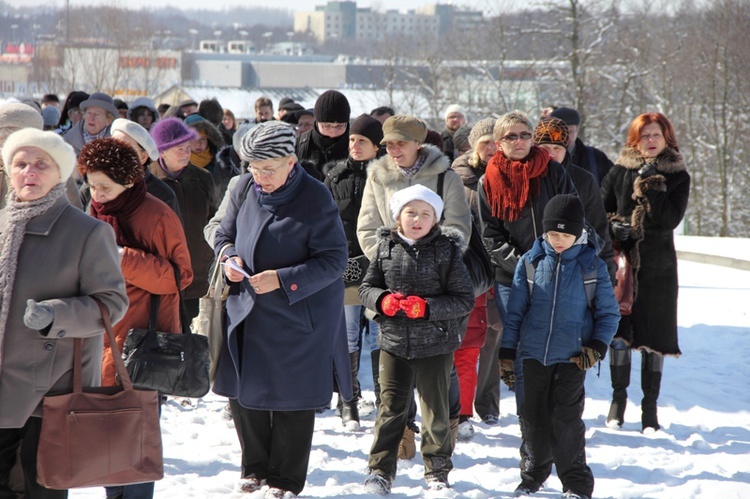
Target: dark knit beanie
x,y
113,157
551,131
564,213
568,115
171,132
332,107
369,127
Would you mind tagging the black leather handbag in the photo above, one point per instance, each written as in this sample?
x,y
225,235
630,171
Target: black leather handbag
x,y
172,363
476,259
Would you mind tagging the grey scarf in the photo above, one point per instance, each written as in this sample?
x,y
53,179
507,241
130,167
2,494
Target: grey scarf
x,y
17,215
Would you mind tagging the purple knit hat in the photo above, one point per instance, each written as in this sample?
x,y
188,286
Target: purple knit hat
x,y
171,132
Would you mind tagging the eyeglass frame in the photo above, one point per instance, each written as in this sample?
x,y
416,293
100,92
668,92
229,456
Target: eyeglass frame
x,y
512,137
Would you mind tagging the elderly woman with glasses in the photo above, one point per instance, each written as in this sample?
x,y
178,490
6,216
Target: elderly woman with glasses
x,y
285,314
519,181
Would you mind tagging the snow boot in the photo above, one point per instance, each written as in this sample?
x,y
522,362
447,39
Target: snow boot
x,y
349,410
651,371
619,366
378,482
465,430
407,449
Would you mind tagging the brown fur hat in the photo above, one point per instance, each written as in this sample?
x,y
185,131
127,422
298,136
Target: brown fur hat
x,y
113,157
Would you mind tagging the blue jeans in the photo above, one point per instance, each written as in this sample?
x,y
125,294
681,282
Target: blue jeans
x,y
135,491
502,293
353,322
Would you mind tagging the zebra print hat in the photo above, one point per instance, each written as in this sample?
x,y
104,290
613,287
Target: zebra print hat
x,y
271,139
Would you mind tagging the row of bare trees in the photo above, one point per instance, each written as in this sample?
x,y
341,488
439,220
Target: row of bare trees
x,y
613,60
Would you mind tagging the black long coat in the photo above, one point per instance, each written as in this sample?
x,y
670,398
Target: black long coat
x,y
654,206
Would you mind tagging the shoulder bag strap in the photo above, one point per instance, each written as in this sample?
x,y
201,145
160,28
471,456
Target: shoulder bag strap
x,y
122,372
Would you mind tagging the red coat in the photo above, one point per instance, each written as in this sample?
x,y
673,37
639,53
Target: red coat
x,y
159,231
476,332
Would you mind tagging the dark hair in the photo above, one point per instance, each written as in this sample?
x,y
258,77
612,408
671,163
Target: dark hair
x,y
263,102
51,98
380,111
211,110
634,132
163,108
120,104
73,101
229,113
138,112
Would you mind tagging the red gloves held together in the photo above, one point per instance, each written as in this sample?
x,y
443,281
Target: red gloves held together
x,y
413,306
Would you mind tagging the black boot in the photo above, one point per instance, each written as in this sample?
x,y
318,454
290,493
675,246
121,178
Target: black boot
x,y
619,365
349,411
651,370
375,359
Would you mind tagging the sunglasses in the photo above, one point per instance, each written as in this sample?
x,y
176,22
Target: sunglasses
x,y
512,137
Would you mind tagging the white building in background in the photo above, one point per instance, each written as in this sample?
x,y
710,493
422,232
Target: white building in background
x,y
343,20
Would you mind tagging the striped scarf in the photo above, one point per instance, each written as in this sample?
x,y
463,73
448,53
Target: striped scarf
x,y
18,213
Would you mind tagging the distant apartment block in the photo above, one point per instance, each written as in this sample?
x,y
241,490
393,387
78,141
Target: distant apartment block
x,y
343,20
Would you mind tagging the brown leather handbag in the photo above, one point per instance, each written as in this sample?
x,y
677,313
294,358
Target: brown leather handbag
x,y
624,290
100,435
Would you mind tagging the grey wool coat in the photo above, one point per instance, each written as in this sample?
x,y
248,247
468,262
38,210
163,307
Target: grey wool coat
x,y
384,179
66,258
415,270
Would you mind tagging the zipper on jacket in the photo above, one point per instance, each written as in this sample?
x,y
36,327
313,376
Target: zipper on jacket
x,y
558,261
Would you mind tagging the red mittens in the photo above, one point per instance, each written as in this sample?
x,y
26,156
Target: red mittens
x,y
414,307
390,304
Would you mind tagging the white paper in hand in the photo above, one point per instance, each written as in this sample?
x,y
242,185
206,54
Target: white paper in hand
x,y
233,265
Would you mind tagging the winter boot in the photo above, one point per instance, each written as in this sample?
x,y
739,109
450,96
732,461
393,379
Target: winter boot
x,y
375,359
651,370
619,366
349,410
454,430
407,449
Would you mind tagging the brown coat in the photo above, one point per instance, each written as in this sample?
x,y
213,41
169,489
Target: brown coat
x,y
66,257
149,271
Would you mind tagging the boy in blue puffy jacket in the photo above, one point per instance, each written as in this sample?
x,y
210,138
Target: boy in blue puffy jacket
x,y
559,332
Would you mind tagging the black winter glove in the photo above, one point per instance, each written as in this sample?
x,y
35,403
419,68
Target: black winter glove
x,y
621,230
647,170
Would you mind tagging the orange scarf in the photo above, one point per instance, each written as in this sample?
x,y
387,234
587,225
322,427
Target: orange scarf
x,y
509,184
201,159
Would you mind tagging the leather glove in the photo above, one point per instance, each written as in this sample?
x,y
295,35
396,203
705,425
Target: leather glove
x,y
508,373
414,307
586,359
621,230
647,170
38,315
390,304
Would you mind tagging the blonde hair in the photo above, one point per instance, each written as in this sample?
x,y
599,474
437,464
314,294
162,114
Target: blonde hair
x,y
474,159
506,121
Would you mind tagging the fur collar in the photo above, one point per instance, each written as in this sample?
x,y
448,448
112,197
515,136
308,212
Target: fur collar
x,y
384,171
669,161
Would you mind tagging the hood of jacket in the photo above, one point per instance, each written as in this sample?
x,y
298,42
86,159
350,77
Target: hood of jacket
x,y
384,171
215,139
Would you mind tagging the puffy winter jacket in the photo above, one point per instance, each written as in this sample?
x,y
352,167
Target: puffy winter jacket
x,y
416,270
554,322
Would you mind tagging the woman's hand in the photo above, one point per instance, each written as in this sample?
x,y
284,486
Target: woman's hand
x,y
265,282
232,274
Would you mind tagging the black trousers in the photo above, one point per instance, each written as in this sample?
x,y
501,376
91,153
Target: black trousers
x,y
28,439
275,444
552,410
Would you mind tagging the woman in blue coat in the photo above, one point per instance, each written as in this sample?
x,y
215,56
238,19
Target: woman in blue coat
x,y
285,316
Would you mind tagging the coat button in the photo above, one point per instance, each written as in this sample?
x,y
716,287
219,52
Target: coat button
x,y
49,346
293,287
61,334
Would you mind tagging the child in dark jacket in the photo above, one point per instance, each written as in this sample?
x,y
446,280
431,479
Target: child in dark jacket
x,y
423,294
559,333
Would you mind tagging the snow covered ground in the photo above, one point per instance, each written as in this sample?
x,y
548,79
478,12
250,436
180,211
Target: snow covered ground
x,y
703,450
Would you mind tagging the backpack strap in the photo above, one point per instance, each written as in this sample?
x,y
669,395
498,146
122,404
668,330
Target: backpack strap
x,y
589,281
440,183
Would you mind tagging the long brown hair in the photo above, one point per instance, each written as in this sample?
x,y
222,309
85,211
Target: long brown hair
x,y
636,126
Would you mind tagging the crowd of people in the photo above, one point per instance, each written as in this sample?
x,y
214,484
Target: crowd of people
x,y
331,231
